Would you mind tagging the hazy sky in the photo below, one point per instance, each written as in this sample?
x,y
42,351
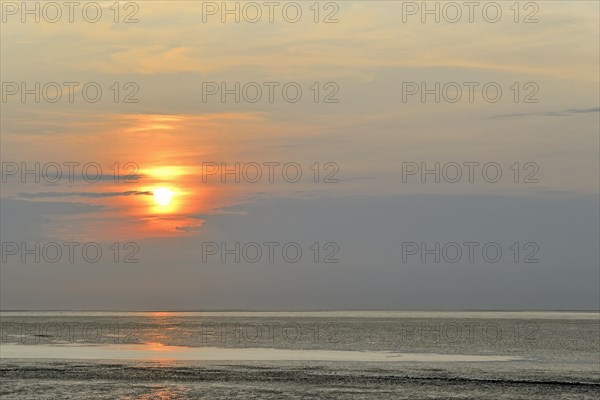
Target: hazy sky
x,y
369,135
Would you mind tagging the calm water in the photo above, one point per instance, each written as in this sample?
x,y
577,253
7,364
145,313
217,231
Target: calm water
x,y
312,355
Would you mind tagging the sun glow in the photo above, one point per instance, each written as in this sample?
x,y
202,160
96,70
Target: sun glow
x,y
163,196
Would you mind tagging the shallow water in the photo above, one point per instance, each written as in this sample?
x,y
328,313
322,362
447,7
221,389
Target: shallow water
x,y
152,351
333,355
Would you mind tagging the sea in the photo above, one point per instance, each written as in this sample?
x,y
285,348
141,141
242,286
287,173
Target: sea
x,y
300,355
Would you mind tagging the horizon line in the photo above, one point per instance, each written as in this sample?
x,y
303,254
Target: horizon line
x,y
302,310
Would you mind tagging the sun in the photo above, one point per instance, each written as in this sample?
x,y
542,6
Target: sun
x,y
163,196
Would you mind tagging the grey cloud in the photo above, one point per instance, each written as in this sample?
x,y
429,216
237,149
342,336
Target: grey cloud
x,y
21,219
369,231
83,194
563,113
188,228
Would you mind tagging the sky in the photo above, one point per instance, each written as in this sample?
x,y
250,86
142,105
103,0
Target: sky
x,y
374,159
